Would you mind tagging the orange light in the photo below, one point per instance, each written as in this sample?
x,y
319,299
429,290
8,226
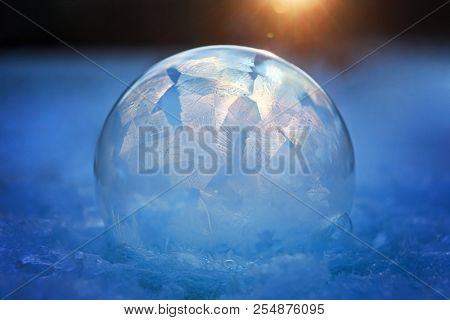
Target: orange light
x,y
286,6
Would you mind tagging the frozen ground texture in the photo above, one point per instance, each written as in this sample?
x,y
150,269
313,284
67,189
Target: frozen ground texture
x,y
396,106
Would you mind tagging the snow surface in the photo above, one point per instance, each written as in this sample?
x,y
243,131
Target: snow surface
x,y
52,105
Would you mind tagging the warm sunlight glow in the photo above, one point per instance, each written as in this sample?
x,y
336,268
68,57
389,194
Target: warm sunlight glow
x,y
286,6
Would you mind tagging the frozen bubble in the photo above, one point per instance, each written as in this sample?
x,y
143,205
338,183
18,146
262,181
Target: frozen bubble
x,y
197,214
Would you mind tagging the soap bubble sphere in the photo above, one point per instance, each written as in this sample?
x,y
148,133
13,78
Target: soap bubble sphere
x,y
294,193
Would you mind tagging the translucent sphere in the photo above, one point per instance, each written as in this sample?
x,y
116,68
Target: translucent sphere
x,y
292,194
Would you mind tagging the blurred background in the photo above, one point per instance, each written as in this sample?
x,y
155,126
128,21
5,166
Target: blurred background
x,y
308,27
55,97
311,28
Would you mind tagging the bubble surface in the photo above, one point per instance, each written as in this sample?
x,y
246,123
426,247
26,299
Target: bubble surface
x,y
230,216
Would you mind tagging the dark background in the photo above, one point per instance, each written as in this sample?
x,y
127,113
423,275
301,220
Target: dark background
x,y
323,24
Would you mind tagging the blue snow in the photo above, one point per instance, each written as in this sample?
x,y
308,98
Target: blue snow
x,y
397,109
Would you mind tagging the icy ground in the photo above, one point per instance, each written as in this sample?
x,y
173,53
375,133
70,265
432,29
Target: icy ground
x,y
396,106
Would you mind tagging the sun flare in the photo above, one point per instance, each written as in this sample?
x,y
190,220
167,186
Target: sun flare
x,y
286,6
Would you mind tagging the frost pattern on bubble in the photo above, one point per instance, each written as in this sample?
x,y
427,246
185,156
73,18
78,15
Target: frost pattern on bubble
x,y
220,215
